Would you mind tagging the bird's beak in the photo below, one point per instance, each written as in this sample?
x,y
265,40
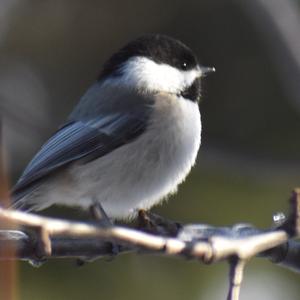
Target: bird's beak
x,y
206,70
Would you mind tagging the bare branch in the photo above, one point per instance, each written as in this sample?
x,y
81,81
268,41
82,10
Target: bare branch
x,y
42,238
238,241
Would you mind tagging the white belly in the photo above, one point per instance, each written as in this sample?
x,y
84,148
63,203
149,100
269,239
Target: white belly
x,y
143,172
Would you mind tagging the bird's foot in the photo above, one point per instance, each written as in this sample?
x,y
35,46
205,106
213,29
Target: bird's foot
x,y
156,224
99,215
112,251
145,221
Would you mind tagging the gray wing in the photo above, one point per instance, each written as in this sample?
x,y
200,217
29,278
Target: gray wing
x,y
85,140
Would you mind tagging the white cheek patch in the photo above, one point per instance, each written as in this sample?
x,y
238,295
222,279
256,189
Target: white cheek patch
x,y
144,73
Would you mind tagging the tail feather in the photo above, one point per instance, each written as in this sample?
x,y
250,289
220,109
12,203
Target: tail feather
x,y
22,205
20,199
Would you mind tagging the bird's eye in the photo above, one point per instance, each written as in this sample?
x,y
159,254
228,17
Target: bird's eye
x,y
184,65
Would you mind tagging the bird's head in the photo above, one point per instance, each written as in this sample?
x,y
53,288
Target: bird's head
x,y
156,63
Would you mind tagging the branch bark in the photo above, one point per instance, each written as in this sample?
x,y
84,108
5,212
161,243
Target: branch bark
x,y
40,238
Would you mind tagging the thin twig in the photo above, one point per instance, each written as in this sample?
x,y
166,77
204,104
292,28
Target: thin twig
x,y
236,272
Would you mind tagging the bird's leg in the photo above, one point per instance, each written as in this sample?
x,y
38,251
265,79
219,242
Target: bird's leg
x,y
99,214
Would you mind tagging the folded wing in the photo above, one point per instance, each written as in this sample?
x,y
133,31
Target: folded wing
x,y
85,140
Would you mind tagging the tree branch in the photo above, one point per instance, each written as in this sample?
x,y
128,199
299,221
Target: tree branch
x,y
40,238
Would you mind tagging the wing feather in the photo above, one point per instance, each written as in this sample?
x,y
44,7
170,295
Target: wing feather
x,y
85,140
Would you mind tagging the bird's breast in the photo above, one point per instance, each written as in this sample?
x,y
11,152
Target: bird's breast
x,y
175,132
161,158
142,172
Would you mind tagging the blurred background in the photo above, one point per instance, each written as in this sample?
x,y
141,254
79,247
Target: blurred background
x,y
51,51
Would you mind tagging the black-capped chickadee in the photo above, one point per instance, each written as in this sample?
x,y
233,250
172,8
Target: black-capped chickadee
x,y
132,138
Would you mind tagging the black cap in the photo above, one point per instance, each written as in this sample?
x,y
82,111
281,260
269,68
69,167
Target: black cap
x,y
160,48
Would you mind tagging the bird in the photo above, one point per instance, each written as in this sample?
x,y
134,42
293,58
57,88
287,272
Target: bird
x,y
130,141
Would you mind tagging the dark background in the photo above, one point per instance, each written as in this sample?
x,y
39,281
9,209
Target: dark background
x,y
51,51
